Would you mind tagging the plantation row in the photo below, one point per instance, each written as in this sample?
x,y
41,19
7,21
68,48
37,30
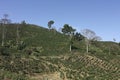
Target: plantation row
x,y
84,67
69,67
89,60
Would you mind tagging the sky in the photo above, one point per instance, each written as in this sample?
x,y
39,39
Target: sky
x,y
100,16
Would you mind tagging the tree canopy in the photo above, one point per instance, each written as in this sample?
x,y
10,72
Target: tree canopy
x,y
50,23
68,29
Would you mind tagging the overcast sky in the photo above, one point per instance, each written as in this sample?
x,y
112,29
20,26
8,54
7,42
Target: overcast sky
x,y
101,16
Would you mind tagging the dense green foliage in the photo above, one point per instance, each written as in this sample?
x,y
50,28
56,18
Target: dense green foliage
x,y
68,29
50,23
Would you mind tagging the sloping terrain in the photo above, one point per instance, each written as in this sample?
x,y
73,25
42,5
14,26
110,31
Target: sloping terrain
x,y
68,67
35,36
42,54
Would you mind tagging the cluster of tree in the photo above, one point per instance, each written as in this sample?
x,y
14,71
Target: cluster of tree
x,y
86,34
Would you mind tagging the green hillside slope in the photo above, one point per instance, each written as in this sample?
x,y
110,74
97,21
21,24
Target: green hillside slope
x,y
31,52
50,42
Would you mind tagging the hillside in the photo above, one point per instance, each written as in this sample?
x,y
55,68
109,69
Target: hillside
x,y
34,36
42,54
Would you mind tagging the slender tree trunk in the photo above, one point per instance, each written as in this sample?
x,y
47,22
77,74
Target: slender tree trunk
x,y
71,35
5,21
109,50
70,48
18,35
87,47
3,35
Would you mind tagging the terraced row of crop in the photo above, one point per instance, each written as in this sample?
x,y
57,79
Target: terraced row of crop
x,y
89,60
69,68
90,66
98,66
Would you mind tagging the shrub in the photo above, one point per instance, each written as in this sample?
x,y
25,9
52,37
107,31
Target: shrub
x,y
5,51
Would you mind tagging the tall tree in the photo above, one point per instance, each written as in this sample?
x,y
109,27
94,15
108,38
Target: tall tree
x,y
50,23
68,30
4,21
89,35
